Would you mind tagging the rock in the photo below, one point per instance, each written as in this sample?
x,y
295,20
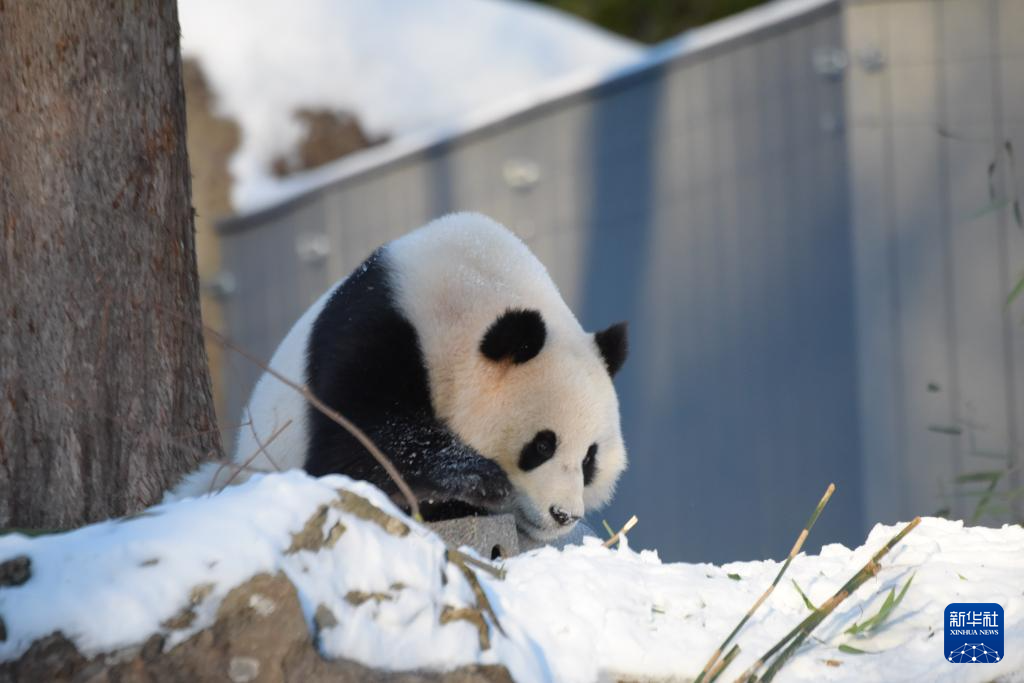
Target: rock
x,y
356,598
259,636
355,504
473,616
324,618
496,536
311,536
187,615
15,571
493,537
243,669
53,658
574,537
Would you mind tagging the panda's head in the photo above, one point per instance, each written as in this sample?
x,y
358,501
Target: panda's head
x,y
545,409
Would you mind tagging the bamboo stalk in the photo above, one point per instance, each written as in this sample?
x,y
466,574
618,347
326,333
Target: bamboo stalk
x,y
724,662
798,635
624,530
793,552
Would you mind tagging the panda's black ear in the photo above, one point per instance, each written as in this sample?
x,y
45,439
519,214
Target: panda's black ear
x,y
613,346
517,335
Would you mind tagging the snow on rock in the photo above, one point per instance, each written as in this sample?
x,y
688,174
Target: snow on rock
x,y
374,590
399,65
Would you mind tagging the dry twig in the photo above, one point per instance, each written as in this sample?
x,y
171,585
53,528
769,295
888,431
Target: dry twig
x,y
261,448
496,572
483,604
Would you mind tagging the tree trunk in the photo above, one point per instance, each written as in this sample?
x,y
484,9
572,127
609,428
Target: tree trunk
x,y
104,388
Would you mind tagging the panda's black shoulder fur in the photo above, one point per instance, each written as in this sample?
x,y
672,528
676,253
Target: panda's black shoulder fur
x,y
364,360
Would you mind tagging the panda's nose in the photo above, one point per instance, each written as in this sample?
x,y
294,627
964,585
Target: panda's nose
x,y
561,516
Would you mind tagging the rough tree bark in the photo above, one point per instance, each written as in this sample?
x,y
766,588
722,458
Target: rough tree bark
x,y
104,388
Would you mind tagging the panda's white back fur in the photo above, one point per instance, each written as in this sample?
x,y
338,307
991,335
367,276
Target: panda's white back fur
x,y
452,278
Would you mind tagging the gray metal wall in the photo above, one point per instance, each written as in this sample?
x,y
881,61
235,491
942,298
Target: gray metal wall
x,y
707,199
936,247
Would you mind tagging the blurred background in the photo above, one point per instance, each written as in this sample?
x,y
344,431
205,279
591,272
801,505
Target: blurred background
x,y
808,210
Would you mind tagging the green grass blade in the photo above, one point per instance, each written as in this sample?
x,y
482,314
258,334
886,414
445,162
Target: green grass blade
x,y
987,477
807,601
892,601
1017,289
903,591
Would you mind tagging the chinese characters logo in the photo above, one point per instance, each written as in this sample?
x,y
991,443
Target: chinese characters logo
x,y
974,633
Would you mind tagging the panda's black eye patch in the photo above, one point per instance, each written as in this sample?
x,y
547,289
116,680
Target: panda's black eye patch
x,y
538,451
589,464
517,336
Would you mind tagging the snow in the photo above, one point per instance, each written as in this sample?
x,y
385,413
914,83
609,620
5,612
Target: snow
x,y
400,65
579,614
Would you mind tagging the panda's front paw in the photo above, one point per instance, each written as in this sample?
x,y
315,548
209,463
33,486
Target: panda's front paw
x,y
491,491
459,473
477,481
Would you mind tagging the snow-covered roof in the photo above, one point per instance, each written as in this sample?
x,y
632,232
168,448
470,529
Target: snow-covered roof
x,y
398,65
577,84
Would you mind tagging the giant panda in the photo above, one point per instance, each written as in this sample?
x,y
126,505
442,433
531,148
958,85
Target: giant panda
x,y
452,349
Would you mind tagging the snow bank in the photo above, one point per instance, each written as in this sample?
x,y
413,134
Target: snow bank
x,y
399,65
570,615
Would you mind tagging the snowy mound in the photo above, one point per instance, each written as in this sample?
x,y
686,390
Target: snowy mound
x,y
575,615
399,65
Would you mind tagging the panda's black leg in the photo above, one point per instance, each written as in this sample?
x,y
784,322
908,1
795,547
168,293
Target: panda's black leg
x,y
439,466
435,463
462,474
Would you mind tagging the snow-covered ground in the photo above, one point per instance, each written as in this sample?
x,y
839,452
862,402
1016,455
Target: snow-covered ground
x,y
399,65
572,615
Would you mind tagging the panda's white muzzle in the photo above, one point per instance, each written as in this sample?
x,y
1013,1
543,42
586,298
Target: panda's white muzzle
x,y
562,517
556,522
